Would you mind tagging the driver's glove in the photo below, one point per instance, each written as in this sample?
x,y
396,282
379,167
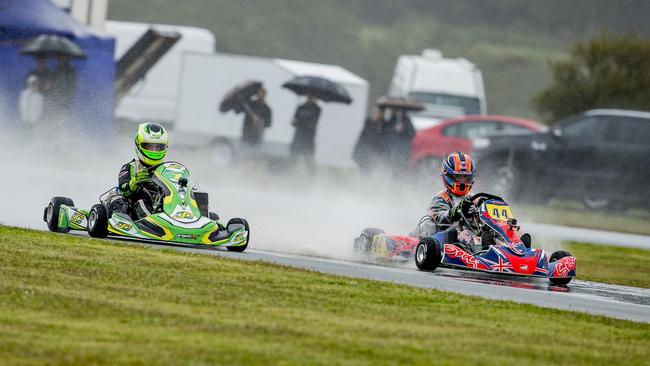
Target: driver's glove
x,y
140,177
454,212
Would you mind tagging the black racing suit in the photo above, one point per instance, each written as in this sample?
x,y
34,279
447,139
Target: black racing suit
x,y
132,202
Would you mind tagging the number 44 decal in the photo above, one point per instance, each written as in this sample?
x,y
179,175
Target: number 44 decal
x,y
499,212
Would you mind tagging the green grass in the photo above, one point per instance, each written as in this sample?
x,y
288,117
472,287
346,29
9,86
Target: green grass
x,y
68,300
609,264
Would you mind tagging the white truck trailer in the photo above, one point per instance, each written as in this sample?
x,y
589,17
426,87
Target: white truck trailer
x,y
205,79
155,98
449,87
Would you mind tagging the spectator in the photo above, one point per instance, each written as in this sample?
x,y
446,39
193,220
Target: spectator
x,y
370,149
62,84
399,138
305,121
258,117
42,74
31,103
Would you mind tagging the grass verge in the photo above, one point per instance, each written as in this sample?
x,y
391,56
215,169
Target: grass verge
x,y
71,300
610,264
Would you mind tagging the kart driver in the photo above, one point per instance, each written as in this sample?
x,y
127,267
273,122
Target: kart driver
x,y
150,148
458,171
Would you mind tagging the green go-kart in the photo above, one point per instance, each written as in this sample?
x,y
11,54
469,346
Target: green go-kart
x,y
180,215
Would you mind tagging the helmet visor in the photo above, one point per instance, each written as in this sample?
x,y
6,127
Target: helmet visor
x,y
462,178
151,146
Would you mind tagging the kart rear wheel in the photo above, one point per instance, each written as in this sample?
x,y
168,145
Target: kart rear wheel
x,y
238,221
363,243
558,254
98,221
427,254
51,214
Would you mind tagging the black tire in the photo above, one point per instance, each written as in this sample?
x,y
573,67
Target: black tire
x,y
239,248
51,214
554,257
98,221
527,240
363,243
427,254
558,254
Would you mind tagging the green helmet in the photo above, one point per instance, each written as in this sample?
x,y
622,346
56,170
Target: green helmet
x,y
151,143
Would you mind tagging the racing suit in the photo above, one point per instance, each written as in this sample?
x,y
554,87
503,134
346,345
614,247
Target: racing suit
x,y
438,219
132,202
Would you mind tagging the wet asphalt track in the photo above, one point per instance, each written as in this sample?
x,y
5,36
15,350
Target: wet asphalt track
x,y
595,298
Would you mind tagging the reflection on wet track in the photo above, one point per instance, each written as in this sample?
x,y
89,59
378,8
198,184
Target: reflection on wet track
x,y
612,292
625,294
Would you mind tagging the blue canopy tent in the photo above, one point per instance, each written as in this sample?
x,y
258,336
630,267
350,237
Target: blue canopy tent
x,y
23,20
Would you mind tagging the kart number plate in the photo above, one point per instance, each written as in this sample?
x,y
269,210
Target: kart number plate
x,y
499,212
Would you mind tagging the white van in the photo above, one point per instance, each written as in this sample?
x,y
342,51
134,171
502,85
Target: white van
x,y
448,87
155,98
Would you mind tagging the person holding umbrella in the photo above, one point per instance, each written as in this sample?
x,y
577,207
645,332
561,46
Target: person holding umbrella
x,y
370,149
399,132
58,85
305,121
258,117
249,97
306,117
63,82
41,74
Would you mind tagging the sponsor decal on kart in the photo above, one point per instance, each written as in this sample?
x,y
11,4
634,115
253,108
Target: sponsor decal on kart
x,y
186,236
124,226
77,218
564,266
469,260
239,237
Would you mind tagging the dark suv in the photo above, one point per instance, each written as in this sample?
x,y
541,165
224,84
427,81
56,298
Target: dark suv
x,y
601,157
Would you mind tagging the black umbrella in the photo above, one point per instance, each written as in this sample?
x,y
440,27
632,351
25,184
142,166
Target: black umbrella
x,y
321,88
399,103
237,98
51,45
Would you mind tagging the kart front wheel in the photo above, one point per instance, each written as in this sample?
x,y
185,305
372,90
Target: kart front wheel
x,y
51,214
427,254
233,223
554,257
98,221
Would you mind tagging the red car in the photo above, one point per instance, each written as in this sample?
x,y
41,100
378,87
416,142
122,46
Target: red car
x,y
430,145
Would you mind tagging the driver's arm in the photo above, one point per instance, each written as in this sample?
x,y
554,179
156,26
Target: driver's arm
x,y
439,209
124,178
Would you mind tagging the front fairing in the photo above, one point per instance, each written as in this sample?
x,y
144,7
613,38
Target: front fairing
x,y
177,201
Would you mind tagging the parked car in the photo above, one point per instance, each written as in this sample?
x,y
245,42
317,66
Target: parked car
x,y
430,145
601,157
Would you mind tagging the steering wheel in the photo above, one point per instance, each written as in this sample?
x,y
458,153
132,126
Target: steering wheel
x,y
472,209
487,196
